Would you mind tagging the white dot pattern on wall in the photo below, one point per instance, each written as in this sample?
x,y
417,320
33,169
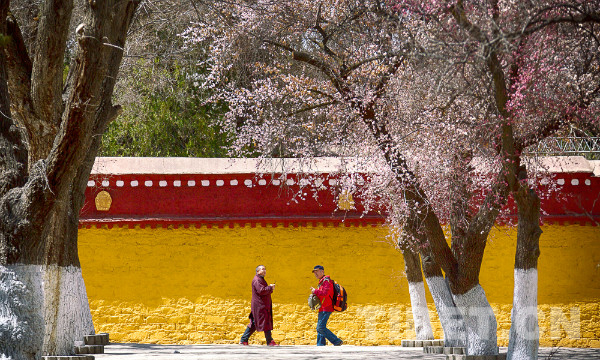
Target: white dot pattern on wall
x,y
574,181
120,183
220,182
588,182
148,183
332,182
248,182
290,181
560,181
177,183
91,183
262,182
134,183
105,183
191,183
205,182
276,182
162,183
233,182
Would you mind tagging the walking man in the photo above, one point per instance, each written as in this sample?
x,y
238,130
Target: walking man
x,y
325,293
261,308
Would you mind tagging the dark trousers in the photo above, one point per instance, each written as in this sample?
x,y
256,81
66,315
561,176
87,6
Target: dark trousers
x,y
250,329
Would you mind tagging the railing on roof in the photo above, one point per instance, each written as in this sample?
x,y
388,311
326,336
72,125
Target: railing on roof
x,y
589,147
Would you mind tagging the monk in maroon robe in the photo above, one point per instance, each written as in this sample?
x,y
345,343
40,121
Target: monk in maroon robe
x,y
261,315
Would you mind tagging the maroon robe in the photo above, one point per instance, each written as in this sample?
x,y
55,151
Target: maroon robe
x,y
261,306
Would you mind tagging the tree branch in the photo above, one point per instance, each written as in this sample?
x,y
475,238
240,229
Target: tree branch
x,y
581,16
48,63
324,36
458,12
309,108
308,59
13,155
19,67
84,97
368,60
420,208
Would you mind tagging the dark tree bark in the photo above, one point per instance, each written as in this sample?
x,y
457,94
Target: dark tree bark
x,y
524,331
40,203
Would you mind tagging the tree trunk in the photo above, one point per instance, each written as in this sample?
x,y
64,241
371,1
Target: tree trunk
x,y
416,289
43,302
524,331
469,296
480,322
67,313
21,312
451,319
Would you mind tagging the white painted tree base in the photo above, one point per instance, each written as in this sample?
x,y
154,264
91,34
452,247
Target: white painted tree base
x,y
21,312
420,311
455,334
68,317
26,330
524,340
480,322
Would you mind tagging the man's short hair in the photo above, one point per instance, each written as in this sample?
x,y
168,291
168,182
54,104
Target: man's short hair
x,y
259,266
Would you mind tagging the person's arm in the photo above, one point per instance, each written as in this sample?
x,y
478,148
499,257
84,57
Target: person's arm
x,y
323,290
262,289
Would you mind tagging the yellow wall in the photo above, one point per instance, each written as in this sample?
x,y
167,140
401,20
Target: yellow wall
x,y
193,285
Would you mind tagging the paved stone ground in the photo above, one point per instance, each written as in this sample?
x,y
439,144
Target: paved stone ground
x,y
202,352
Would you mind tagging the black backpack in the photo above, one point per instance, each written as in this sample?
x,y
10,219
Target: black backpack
x,y
340,297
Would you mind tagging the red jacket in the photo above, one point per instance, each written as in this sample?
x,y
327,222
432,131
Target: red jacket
x,y
325,293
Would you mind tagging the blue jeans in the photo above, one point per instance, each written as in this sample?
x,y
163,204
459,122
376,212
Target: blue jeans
x,y
323,332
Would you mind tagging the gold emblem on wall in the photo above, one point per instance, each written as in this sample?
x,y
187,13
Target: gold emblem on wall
x,y
345,201
103,201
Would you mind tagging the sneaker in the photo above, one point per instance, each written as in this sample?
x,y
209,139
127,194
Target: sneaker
x,y
272,343
339,344
245,343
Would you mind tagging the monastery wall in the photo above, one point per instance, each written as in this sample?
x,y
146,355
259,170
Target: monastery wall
x,y
169,257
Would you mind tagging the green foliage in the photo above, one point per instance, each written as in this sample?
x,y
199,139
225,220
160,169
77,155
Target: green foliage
x,y
4,40
168,118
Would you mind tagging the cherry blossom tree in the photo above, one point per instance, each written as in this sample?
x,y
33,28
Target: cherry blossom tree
x,y
429,93
50,127
317,85
499,44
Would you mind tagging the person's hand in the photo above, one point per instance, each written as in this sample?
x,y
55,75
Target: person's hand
x,y
272,285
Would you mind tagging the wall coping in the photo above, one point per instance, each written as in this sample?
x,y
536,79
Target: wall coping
x,y
178,165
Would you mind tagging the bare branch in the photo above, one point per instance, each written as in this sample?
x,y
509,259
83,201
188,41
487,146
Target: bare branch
x,y
313,107
308,59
